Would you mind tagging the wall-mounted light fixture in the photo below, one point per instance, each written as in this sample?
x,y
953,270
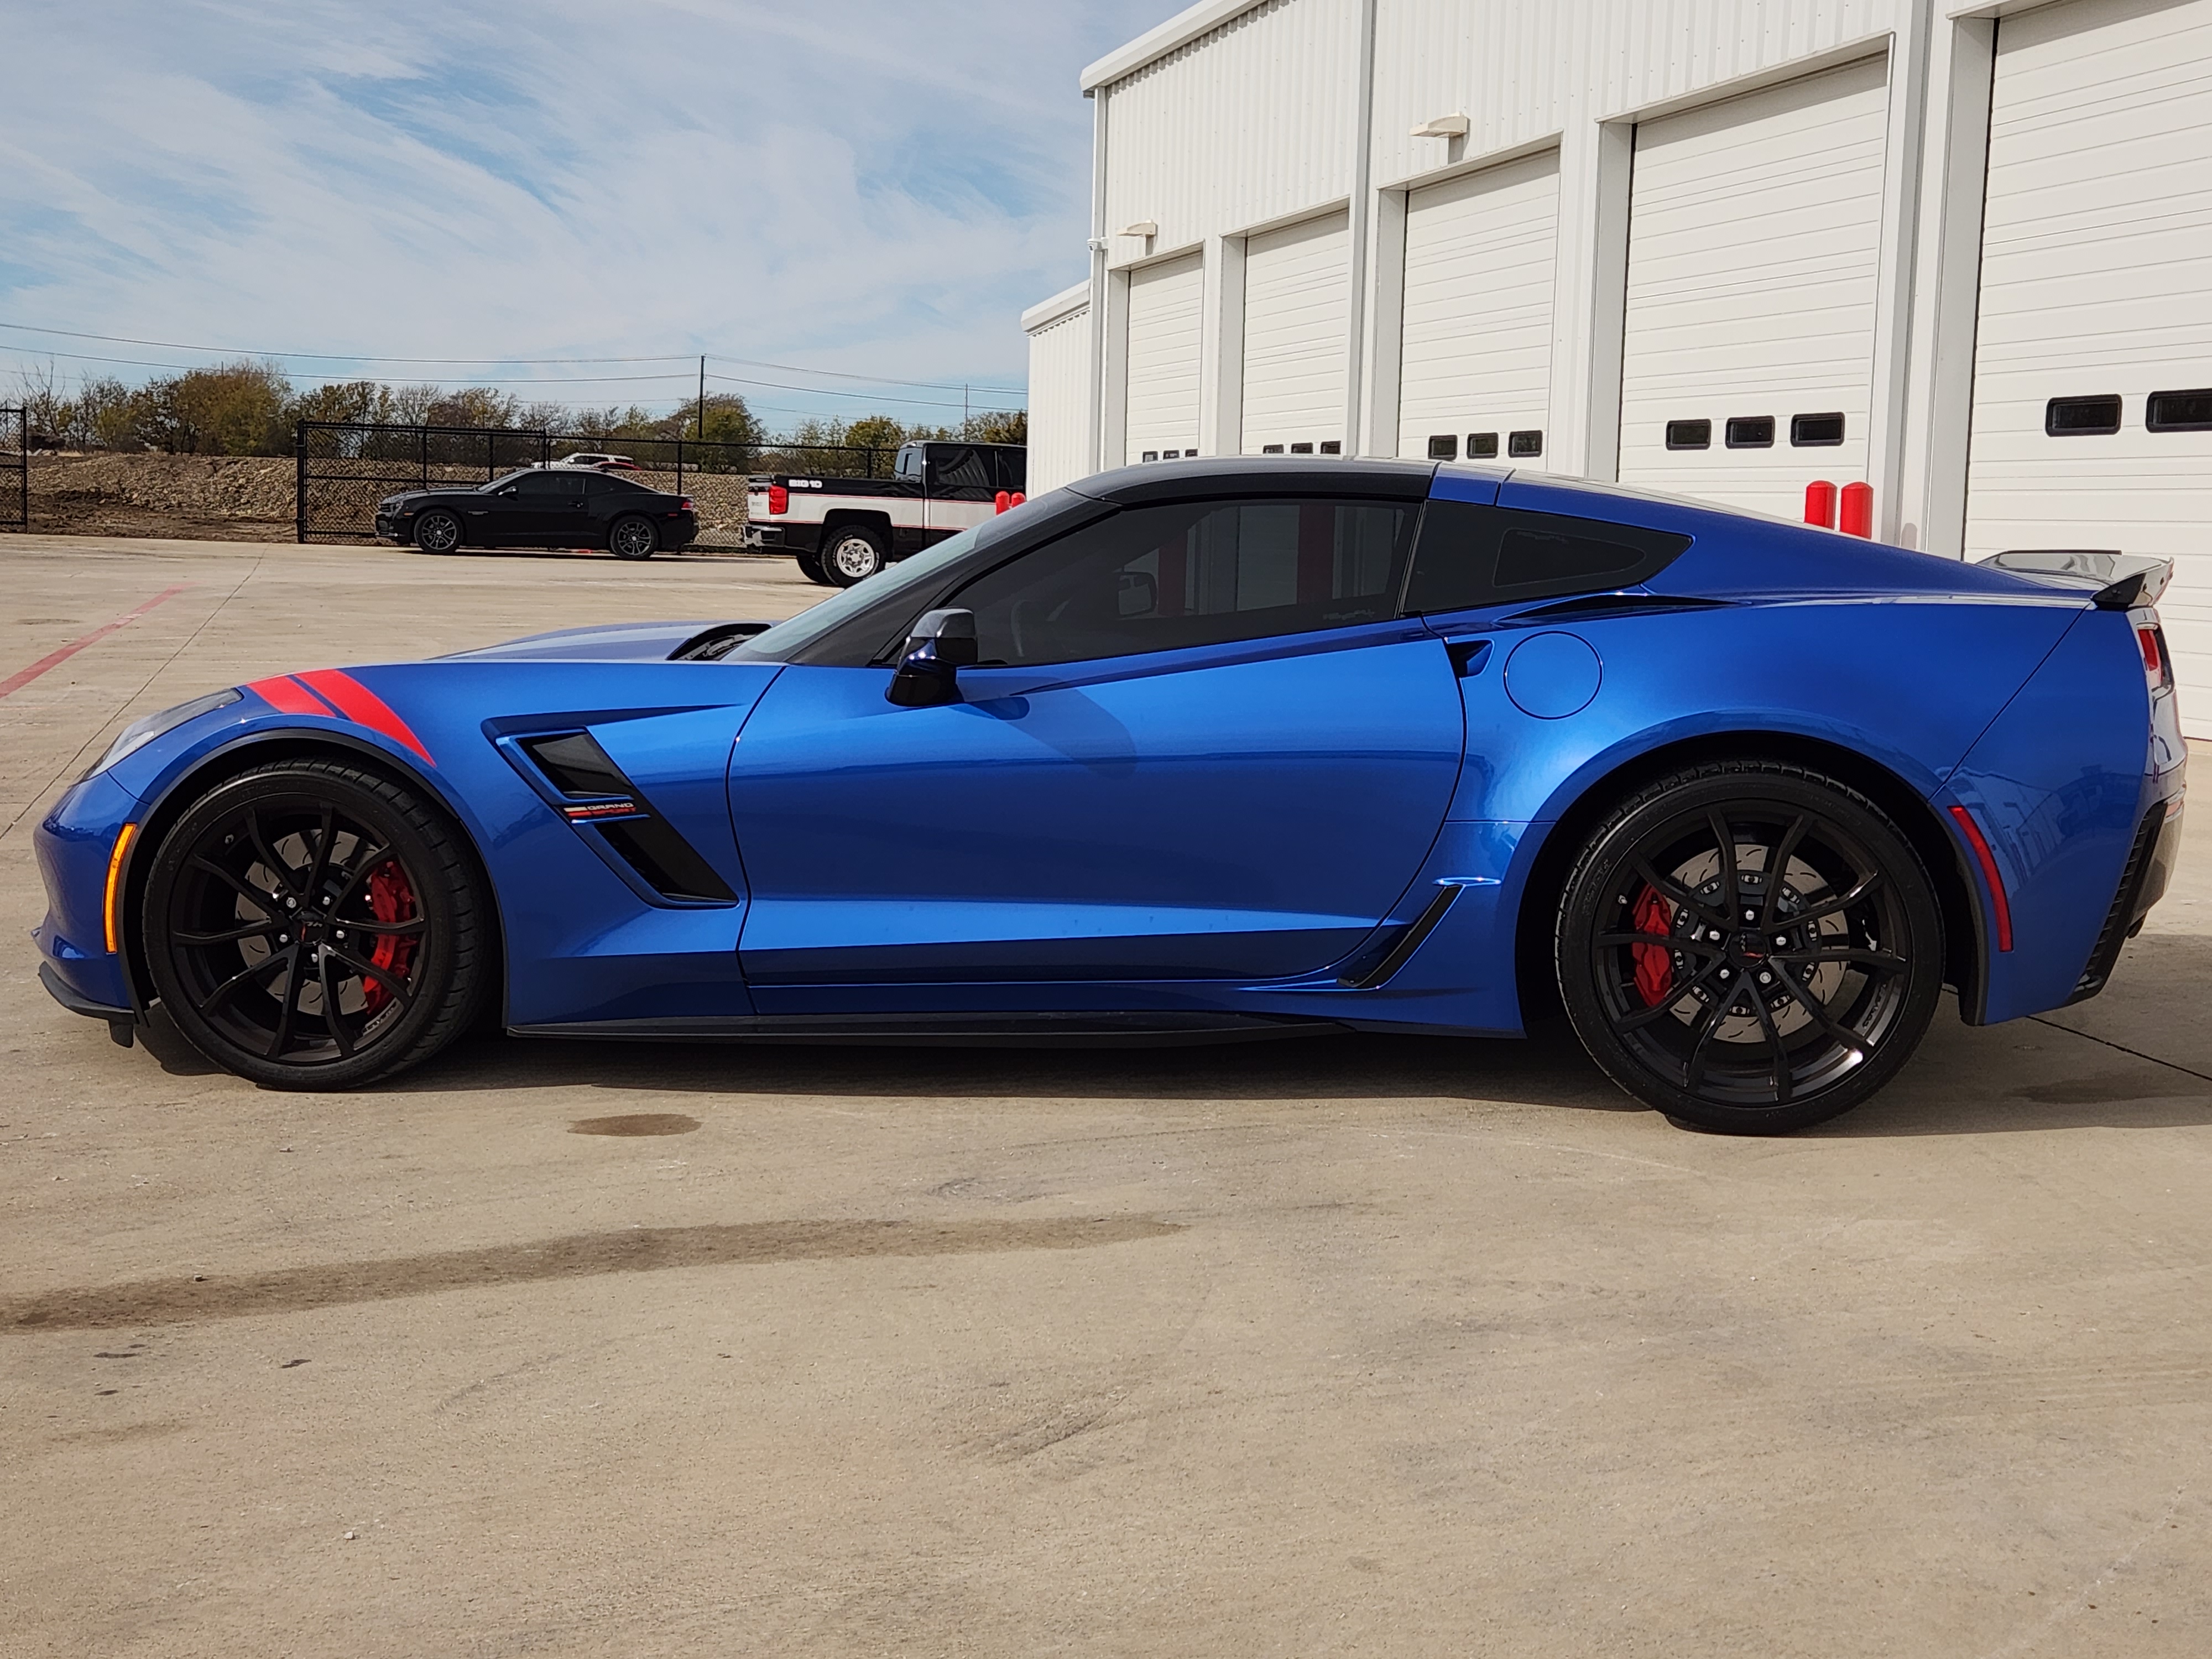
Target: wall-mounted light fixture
x,y
1444,126
1147,229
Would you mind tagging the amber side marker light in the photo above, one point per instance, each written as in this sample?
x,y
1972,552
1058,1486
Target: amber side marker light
x,y
122,837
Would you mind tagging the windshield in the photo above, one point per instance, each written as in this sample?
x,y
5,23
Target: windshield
x,y
501,482
786,639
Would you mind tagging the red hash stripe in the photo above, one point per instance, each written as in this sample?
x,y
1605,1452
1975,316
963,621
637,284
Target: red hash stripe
x,y
288,697
363,707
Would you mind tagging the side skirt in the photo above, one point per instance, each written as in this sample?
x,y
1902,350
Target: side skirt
x,y
1009,1031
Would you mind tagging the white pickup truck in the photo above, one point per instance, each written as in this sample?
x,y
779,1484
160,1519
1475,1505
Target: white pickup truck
x,y
843,530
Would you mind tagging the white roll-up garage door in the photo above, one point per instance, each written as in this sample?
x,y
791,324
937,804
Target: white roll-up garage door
x,y
1754,249
1297,300
1165,302
2093,371
1475,372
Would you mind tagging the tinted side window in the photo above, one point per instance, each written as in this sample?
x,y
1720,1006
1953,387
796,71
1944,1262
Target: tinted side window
x,y
959,472
1472,556
1013,466
1207,573
548,483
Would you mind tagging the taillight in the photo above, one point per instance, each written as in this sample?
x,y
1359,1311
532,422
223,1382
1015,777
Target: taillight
x,y
2158,662
779,499
684,506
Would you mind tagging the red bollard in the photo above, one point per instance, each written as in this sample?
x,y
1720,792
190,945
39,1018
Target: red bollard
x,y
1019,498
1005,500
1820,504
1855,511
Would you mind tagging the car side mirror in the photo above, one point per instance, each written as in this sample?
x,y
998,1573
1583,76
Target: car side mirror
x,y
937,647
1137,595
509,490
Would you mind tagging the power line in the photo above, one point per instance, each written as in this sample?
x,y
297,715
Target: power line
x,y
825,391
455,362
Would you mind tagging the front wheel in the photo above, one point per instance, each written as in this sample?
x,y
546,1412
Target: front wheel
x,y
438,532
1750,947
633,538
852,553
309,924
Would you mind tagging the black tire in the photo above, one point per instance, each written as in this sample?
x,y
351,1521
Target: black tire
x,y
810,566
1732,1005
398,955
438,532
852,553
633,537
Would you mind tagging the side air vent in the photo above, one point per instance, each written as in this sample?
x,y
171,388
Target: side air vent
x,y
598,799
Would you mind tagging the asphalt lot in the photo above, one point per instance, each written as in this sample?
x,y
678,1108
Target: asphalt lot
x,y
1359,1346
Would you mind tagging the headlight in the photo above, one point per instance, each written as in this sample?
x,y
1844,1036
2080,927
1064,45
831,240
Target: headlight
x,y
136,735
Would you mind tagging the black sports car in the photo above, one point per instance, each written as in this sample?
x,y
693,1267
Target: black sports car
x,y
541,506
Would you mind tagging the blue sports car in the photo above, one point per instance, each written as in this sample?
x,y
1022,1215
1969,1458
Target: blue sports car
x,y
1206,751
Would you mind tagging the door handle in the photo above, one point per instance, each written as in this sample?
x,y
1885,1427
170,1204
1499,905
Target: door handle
x,y
1467,656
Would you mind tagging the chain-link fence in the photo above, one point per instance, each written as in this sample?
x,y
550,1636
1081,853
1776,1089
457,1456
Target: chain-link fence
x,y
14,469
346,467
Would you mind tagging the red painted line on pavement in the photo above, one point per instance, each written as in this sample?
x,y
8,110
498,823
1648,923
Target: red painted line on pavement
x,y
23,676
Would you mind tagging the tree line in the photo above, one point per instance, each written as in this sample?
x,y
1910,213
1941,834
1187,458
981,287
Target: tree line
x,y
248,408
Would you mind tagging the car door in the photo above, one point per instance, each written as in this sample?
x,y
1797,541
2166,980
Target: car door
x,y
1202,745
961,487
556,512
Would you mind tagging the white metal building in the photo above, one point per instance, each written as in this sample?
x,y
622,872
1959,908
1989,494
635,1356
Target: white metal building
x,y
1962,252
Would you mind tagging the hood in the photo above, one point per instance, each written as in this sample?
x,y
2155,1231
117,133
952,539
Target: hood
x,y
657,642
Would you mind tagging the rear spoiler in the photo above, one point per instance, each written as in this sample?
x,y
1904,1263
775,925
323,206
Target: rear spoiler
x,y
2122,580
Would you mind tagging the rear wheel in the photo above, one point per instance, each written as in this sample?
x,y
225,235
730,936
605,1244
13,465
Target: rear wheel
x,y
1750,947
438,532
852,553
312,926
633,537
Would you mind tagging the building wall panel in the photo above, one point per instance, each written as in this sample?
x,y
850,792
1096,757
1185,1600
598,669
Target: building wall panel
x,y
1059,400
1250,124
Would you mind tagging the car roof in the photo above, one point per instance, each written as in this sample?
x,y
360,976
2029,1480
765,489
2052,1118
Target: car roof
x,y
1296,474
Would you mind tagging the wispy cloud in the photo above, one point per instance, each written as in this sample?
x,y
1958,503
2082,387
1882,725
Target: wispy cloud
x,y
860,184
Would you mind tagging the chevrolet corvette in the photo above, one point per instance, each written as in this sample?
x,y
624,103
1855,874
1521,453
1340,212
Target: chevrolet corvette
x,y
1193,751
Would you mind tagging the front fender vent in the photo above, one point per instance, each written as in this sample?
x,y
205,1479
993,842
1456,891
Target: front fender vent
x,y
599,800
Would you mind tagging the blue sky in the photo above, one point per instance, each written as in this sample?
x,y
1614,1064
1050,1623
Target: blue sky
x,y
858,185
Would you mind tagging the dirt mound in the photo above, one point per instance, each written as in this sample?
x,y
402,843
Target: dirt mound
x,y
222,497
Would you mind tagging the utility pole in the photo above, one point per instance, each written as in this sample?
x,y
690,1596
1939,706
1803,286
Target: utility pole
x,y
966,420
703,396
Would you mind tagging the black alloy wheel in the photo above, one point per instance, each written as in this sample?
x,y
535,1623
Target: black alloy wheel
x,y
1750,947
309,924
438,532
810,566
852,553
633,537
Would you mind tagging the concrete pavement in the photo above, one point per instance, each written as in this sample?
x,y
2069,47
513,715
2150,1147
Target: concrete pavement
x,y
1354,1345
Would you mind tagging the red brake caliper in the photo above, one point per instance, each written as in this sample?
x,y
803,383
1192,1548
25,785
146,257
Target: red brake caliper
x,y
391,900
1655,963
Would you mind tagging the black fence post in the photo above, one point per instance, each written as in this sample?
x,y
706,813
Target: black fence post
x,y
679,465
424,435
299,484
